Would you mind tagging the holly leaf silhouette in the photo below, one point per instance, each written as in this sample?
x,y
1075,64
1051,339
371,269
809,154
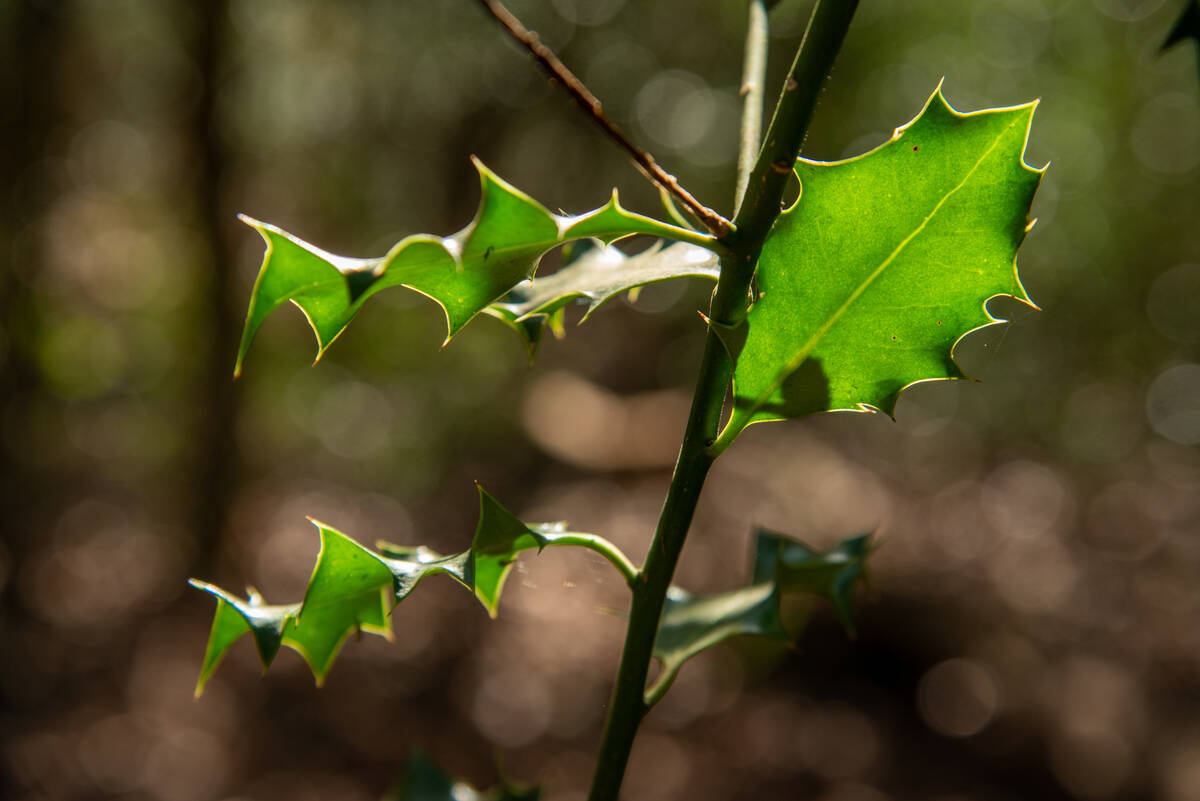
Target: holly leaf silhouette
x,y
795,567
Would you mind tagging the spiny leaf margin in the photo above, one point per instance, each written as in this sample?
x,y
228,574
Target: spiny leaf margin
x,y
463,273
355,589
790,357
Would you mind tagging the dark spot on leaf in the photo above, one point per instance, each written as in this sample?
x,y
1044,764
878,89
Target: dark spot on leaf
x,y
939,322
893,337
914,148
487,253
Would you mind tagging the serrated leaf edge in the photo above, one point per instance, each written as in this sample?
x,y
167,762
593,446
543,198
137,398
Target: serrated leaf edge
x,y
729,433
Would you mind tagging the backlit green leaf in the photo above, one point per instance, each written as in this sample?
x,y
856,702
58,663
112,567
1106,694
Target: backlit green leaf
x,y
885,261
463,272
353,589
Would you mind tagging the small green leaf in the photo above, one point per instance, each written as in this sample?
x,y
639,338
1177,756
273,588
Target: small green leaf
x,y
883,264
795,567
463,273
691,624
350,590
354,589
597,276
499,537
235,617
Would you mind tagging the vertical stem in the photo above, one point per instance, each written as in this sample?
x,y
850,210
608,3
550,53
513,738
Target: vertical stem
x,y
754,73
826,30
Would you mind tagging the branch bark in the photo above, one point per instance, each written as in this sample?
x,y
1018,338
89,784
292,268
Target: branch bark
x,y
583,97
754,73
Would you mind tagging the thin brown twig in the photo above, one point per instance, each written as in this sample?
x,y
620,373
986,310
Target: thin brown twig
x,y
587,101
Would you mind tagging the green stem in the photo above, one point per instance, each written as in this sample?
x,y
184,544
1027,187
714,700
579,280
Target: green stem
x,y
601,546
661,685
754,73
826,30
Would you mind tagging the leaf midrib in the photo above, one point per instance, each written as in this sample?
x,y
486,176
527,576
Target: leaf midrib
x,y
802,355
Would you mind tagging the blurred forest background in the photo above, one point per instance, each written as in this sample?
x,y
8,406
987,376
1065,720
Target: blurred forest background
x,y
1033,631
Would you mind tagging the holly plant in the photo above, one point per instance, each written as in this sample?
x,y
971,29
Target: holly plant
x,y
859,289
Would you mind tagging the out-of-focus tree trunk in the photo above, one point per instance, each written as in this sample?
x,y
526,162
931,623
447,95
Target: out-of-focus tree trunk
x,y
30,53
215,465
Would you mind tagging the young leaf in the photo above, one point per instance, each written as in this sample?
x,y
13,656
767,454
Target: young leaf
x,y
794,567
595,277
882,265
463,272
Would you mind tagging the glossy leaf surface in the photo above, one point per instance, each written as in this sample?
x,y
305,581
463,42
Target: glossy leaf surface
x,y
884,262
691,624
596,277
464,272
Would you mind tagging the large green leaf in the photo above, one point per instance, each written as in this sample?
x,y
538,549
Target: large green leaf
x,y
795,567
884,262
355,589
595,277
463,272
